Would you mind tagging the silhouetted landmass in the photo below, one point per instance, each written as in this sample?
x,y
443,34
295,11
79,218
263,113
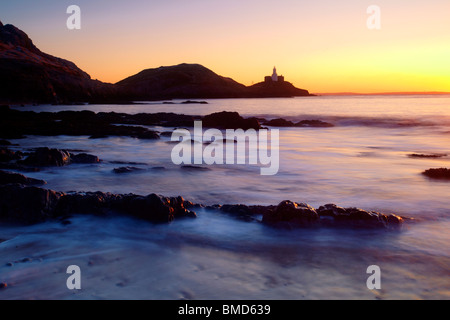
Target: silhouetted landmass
x,y
30,76
188,81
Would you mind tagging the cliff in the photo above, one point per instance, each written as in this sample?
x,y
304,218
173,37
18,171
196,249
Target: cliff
x,y
31,76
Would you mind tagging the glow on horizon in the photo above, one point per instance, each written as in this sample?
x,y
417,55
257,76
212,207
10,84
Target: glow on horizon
x,y
322,46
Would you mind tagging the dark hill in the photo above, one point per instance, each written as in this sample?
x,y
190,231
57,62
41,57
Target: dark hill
x,y
276,89
184,81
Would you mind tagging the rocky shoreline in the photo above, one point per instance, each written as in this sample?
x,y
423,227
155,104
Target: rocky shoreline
x,y
15,124
43,205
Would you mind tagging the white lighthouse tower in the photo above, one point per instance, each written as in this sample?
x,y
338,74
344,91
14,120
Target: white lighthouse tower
x,y
275,75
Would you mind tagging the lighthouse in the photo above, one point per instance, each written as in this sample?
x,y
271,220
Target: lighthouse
x,y
275,75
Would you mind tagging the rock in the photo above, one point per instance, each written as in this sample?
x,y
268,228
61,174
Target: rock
x,y
194,168
279,123
9,177
126,170
166,134
239,211
46,157
84,158
154,208
441,173
148,135
332,215
194,102
7,155
435,155
394,221
291,214
314,124
39,206
5,143
331,210
98,136
230,120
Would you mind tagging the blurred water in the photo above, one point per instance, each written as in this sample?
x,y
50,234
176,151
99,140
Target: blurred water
x,y
362,161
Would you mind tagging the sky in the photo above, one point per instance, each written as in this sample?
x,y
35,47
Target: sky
x,y
322,45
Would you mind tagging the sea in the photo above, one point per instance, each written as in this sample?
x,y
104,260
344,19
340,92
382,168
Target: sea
x,y
363,161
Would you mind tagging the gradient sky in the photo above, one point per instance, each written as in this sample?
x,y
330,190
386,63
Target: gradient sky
x,y
321,45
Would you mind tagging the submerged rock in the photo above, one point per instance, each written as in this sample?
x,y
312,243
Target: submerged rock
x,y
10,177
126,170
432,156
279,123
441,173
84,158
314,124
46,157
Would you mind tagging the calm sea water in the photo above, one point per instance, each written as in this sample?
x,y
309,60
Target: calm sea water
x,y
362,161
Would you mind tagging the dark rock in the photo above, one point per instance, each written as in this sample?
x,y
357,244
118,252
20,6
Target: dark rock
x,y
441,173
279,123
27,205
291,214
9,177
158,168
126,170
331,210
239,211
5,143
194,168
46,157
84,158
194,102
83,203
149,135
314,124
7,155
432,156
355,217
167,134
154,208
98,136
230,120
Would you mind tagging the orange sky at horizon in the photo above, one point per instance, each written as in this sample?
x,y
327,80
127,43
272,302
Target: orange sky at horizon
x,y
321,46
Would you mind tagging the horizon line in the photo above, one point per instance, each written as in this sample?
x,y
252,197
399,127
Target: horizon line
x,y
382,93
